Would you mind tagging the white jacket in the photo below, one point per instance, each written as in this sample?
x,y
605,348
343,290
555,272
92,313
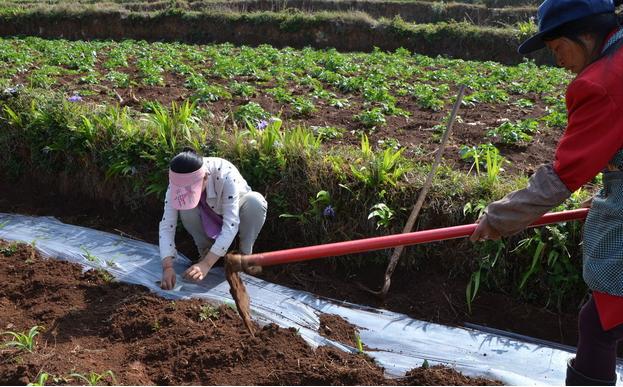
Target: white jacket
x,y
224,188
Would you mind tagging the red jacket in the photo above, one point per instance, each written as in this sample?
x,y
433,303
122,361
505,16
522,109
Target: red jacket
x,y
595,129
593,135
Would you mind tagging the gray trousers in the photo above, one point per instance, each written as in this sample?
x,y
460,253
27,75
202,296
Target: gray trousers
x,y
252,213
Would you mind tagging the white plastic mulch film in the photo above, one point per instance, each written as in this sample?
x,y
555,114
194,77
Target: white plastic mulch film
x,y
397,343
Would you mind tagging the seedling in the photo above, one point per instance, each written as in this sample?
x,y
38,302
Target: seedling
x,y
9,250
88,256
208,312
42,378
93,378
155,326
359,343
105,275
24,341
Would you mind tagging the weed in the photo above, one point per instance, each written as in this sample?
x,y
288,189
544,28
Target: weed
x,y
105,275
209,312
375,169
155,326
383,213
475,209
24,341
493,250
319,207
487,157
526,29
41,379
9,250
93,378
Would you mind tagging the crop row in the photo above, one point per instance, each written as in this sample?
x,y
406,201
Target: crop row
x,y
298,83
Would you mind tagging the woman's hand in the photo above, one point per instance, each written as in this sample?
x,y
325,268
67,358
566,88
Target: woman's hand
x,y
198,271
587,203
484,231
168,278
168,274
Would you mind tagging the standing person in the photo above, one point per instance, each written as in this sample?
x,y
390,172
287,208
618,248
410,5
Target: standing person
x,y
585,37
214,204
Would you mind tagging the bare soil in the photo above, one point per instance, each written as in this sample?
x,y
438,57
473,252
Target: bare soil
x,y
94,325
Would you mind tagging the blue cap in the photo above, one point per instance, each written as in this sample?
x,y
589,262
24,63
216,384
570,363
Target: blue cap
x,y
554,13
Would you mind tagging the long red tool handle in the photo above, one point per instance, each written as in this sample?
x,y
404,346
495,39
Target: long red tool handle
x,y
384,242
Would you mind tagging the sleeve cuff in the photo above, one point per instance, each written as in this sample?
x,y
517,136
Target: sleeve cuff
x,y
519,209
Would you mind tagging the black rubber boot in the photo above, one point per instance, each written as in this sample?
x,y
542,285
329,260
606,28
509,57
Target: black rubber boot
x,y
574,378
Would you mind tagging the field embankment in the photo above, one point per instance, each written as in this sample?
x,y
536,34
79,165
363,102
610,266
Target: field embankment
x,y
344,31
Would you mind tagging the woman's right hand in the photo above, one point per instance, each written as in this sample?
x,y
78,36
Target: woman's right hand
x,y
168,274
168,278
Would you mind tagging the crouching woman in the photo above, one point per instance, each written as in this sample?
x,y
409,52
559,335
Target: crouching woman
x,y
214,203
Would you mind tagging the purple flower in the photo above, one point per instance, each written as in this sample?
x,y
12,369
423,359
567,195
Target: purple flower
x,y
262,125
329,212
75,98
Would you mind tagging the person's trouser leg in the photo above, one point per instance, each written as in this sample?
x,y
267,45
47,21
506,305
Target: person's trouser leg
x,y
192,223
253,209
595,361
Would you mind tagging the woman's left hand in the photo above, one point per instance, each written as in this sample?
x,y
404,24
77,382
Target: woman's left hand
x,y
198,271
484,231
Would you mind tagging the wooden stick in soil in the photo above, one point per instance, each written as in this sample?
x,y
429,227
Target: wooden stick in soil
x,y
418,205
